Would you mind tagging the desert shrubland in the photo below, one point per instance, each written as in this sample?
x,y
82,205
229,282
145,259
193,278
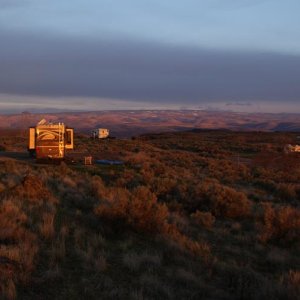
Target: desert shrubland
x,y
203,215
280,224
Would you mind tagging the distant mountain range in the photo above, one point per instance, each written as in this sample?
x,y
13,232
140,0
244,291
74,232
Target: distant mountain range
x,y
128,123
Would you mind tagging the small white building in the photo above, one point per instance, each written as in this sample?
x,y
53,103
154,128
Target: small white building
x,y
290,148
100,133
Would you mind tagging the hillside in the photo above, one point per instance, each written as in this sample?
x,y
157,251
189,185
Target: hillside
x,y
197,214
129,123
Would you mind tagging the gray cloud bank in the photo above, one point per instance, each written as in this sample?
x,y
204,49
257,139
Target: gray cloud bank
x,y
136,70
12,3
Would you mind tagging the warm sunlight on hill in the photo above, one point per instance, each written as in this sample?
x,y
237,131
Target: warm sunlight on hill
x,y
190,215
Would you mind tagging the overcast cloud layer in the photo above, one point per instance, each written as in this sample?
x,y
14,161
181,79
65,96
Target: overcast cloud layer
x,y
202,52
142,71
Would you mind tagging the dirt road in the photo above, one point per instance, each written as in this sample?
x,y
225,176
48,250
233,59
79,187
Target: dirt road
x,y
21,156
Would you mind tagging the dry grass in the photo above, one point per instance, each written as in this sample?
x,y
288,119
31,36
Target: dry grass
x,y
8,289
280,224
47,227
179,220
138,209
291,281
19,249
135,262
141,211
100,262
223,201
204,219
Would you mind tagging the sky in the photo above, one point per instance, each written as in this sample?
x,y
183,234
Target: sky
x,y
241,55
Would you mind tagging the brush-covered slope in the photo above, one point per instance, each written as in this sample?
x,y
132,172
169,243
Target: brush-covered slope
x,y
194,215
129,123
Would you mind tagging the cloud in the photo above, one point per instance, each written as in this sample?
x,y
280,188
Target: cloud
x,y
238,104
136,70
12,3
237,4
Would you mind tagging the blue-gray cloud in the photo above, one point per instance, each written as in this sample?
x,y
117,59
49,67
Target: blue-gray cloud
x,y
236,4
268,25
56,66
12,3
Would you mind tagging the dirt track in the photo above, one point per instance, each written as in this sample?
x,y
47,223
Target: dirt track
x,y
23,156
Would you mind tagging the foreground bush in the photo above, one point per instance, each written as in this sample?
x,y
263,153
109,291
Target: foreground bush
x,y
152,214
291,281
140,211
205,219
18,247
280,224
221,200
26,213
227,202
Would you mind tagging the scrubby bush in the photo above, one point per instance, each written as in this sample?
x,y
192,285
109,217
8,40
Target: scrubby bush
x,y
229,203
18,247
227,171
26,213
197,248
139,209
247,284
146,213
291,281
205,219
47,226
280,224
33,190
12,221
266,183
126,230
286,192
221,200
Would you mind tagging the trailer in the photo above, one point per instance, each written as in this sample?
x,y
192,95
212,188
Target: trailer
x,y
50,140
291,148
100,133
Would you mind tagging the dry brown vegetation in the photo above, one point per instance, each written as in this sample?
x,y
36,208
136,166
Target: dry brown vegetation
x,y
20,221
194,215
281,224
